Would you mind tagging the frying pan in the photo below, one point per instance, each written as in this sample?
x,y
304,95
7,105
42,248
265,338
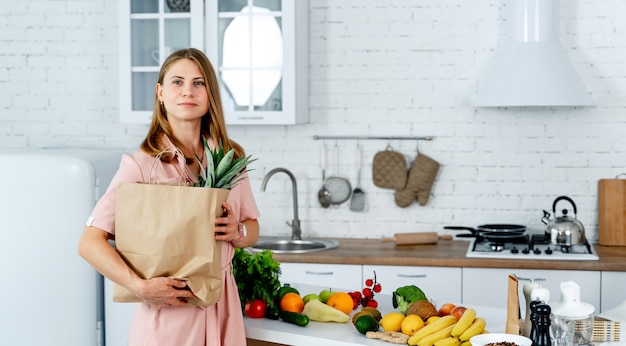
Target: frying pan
x,y
492,232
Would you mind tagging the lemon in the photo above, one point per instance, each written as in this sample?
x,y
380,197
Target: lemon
x,y
366,323
411,324
392,322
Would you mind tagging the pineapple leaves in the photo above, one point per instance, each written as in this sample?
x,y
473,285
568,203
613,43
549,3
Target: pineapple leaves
x,y
222,171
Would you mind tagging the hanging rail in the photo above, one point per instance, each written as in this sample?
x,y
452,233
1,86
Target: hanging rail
x,y
401,138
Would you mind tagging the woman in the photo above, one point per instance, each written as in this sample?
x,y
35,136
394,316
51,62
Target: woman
x,y
187,106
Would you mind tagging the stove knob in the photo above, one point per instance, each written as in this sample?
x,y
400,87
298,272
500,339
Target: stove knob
x,y
514,250
526,251
537,251
548,251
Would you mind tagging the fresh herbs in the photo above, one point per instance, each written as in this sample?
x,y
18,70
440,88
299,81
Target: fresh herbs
x,y
222,171
257,276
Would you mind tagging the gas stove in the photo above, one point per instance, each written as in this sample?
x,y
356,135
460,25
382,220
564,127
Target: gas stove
x,y
530,246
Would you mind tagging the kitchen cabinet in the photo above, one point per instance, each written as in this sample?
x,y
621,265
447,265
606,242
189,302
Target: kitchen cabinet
x,y
260,52
613,294
441,285
149,30
337,276
488,286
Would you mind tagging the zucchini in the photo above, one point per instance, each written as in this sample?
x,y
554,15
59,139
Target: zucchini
x,y
294,317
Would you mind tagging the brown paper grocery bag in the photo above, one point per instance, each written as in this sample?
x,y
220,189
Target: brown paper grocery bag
x,y
168,230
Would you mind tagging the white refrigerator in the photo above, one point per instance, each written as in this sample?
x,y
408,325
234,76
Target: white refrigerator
x,y
50,295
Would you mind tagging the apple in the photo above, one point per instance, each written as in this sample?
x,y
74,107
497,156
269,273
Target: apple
x,y
445,309
325,295
310,297
458,312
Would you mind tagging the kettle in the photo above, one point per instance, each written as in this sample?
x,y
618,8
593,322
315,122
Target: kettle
x,y
564,230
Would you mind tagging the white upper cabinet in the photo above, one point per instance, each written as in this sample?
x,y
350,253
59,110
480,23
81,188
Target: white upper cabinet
x,y
149,31
260,51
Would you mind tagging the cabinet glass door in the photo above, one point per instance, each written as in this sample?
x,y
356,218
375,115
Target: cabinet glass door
x,y
156,31
150,31
250,44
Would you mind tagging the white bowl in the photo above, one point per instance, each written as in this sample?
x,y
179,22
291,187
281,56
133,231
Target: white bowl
x,y
483,339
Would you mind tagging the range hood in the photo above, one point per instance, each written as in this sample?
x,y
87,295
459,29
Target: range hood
x,y
531,68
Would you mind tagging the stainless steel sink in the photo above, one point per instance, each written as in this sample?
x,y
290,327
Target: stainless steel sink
x,y
287,245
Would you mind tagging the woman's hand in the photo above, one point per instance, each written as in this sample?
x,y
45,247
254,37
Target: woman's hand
x,y
227,226
164,291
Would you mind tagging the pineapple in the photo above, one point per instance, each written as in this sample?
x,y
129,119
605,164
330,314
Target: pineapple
x,y
221,172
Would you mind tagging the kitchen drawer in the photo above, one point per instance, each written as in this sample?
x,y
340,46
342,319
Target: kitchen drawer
x,y
441,285
488,287
613,293
338,276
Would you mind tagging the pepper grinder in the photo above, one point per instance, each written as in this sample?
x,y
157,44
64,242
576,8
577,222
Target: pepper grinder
x,y
533,319
533,291
527,290
543,326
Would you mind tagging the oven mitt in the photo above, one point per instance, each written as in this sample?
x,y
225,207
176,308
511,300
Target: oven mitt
x,y
389,170
419,182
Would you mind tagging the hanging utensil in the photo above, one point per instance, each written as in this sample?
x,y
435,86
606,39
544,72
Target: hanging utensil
x,y
338,186
357,203
323,195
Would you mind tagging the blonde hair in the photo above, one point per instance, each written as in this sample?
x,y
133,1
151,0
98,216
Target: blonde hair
x,y
213,122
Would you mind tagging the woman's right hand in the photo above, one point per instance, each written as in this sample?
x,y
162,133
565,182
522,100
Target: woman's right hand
x,y
164,291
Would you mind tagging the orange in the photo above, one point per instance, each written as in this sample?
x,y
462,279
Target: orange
x,y
341,301
292,302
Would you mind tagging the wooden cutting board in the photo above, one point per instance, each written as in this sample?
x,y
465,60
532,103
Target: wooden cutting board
x,y
612,212
416,238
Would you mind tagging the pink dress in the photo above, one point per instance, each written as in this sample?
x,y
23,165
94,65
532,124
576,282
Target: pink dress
x,y
218,324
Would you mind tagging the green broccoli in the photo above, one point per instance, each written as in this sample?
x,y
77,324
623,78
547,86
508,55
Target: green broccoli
x,y
404,296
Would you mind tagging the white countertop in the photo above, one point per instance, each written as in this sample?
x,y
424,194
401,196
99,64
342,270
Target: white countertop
x,y
340,334
345,334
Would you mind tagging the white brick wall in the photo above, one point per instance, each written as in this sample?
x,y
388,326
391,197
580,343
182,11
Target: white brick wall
x,y
376,68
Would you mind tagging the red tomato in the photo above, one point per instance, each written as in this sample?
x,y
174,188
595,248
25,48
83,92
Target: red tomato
x,y
256,308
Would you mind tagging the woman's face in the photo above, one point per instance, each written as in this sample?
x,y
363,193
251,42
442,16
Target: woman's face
x,y
183,92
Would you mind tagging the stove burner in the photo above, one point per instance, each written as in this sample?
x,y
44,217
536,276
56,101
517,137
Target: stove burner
x,y
497,246
533,246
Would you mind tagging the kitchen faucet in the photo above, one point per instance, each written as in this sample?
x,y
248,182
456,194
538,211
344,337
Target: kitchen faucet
x,y
296,232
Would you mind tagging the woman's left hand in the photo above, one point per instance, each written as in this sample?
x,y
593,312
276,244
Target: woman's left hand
x,y
227,226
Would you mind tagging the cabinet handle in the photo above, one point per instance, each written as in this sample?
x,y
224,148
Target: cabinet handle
x,y
411,275
318,273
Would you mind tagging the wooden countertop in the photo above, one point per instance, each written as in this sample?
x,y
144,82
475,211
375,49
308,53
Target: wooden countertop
x,y
446,253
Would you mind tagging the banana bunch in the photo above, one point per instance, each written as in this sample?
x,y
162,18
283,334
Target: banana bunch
x,y
447,331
